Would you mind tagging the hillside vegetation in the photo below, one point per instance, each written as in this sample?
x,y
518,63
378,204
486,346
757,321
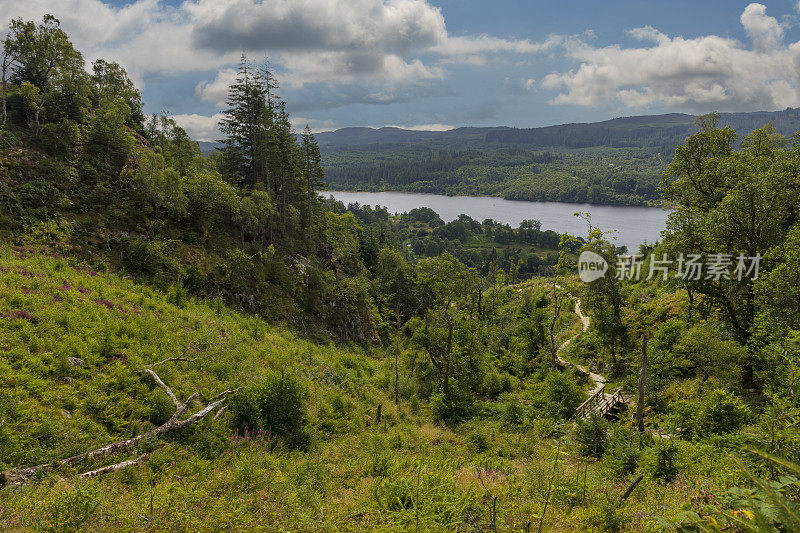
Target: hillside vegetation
x,y
203,343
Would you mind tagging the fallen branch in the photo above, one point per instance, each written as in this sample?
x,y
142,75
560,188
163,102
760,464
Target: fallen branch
x,y
493,523
630,489
20,476
114,467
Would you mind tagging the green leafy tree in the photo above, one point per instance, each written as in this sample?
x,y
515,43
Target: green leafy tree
x,y
41,51
110,81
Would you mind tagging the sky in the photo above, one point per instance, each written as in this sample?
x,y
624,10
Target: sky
x,y
439,64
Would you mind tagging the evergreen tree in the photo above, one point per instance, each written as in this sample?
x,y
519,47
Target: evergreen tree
x,y
314,173
245,125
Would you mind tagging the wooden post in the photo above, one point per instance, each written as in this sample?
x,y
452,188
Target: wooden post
x,y
642,374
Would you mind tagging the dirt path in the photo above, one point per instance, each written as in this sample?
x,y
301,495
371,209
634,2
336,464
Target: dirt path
x,y
599,381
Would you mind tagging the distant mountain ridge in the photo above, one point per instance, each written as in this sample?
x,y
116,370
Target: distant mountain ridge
x,y
634,131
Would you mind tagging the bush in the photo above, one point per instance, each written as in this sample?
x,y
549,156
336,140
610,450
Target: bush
x,y
560,396
720,412
161,407
548,428
660,461
513,414
478,440
592,435
457,406
622,451
608,517
274,405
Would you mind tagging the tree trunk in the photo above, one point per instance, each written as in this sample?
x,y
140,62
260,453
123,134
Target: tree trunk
x,y
448,351
556,313
642,374
20,476
396,354
4,73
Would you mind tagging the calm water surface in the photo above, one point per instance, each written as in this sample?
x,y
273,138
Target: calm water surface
x,y
632,225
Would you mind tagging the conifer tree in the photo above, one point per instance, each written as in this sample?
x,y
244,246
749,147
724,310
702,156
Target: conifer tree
x,y
312,168
245,126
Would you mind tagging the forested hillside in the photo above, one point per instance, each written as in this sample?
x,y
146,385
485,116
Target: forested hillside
x,y
203,343
618,161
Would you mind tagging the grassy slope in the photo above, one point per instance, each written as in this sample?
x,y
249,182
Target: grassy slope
x,y
356,477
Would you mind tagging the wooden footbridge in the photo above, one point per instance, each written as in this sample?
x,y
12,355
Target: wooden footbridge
x,y
601,403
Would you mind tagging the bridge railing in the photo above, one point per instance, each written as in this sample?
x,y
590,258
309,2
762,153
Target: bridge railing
x,y
589,405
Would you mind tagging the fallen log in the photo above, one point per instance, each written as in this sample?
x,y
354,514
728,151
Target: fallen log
x,y
19,476
114,467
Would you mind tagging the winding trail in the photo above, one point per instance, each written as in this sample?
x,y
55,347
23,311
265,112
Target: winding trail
x,y
599,381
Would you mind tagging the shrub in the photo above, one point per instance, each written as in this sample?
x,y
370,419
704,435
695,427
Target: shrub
x,y
273,405
161,407
608,517
478,440
560,396
660,461
457,406
548,428
592,435
622,451
513,414
720,412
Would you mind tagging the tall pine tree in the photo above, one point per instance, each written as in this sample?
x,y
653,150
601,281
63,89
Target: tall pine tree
x,y
246,126
314,174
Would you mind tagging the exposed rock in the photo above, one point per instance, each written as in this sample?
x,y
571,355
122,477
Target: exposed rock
x,y
76,361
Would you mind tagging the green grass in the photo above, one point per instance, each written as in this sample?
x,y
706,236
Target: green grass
x,y
405,474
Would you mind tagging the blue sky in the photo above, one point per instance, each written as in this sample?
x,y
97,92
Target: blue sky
x,y
437,64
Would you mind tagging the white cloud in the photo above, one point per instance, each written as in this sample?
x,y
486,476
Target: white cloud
x,y
765,31
309,41
145,36
299,123
216,90
701,74
481,48
200,127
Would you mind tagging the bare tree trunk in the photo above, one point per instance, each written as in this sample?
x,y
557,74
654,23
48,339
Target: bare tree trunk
x,y
5,66
114,467
556,312
642,374
396,354
449,350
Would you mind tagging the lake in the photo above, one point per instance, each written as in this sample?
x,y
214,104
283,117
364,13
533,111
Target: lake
x,y
632,225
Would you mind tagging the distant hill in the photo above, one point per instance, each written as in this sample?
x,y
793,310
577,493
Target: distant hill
x,y
617,161
635,131
208,146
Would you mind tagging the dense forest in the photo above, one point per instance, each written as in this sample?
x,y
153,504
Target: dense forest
x,y
205,343
618,176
